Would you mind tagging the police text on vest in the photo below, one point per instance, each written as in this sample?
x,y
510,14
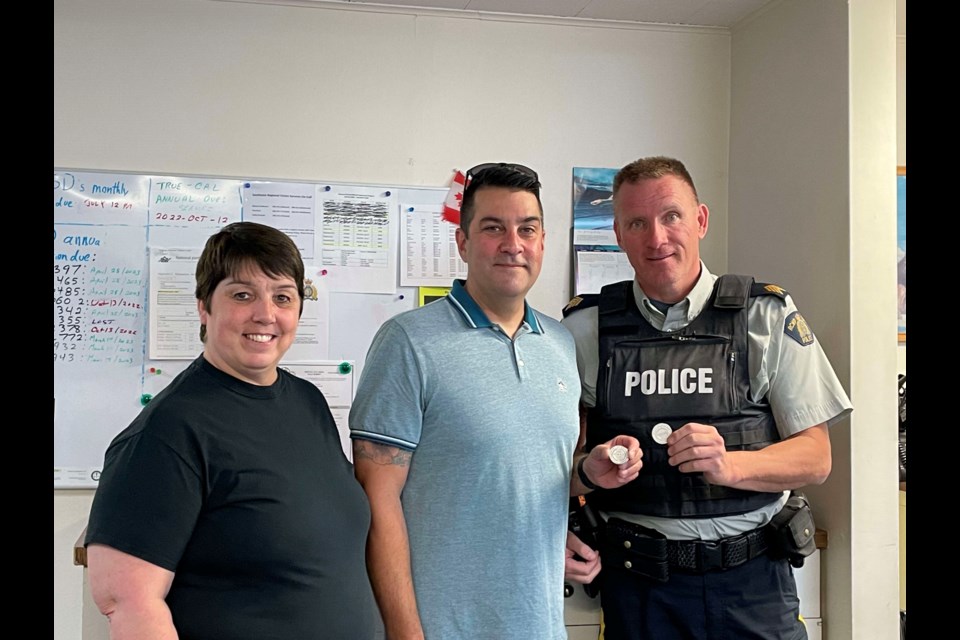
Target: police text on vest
x,y
663,382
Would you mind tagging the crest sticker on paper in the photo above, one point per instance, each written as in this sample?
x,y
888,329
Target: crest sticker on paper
x,y
309,290
796,327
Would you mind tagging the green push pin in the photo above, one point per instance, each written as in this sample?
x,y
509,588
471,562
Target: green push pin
x,y
145,399
345,368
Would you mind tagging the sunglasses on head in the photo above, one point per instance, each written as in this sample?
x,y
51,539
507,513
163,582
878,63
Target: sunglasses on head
x,y
519,168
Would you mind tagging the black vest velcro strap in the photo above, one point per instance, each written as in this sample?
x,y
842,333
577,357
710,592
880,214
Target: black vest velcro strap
x,y
732,291
616,297
745,439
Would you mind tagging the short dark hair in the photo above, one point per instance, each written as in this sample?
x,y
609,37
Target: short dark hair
x,y
651,169
242,245
503,176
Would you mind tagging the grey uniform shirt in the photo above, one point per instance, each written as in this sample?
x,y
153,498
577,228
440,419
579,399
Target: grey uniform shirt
x,y
797,380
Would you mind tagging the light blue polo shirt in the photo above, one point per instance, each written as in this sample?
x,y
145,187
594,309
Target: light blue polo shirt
x,y
492,423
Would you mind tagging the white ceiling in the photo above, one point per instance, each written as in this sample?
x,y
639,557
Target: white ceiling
x,y
713,13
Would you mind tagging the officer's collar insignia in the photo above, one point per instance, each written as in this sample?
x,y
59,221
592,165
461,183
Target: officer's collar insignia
x,y
573,303
796,327
772,288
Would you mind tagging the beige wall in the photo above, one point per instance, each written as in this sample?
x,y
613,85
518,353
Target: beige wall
x,y
290,92
812,207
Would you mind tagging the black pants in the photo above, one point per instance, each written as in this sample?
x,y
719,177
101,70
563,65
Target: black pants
x,y
757,600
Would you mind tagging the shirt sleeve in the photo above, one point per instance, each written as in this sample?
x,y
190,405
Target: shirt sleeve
x,y
790,368
147,502
388,407
584,326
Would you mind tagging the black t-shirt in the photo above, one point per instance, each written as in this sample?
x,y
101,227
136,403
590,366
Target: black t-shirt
x,y
244,492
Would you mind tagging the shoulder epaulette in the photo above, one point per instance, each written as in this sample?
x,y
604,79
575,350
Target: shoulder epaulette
x,y
582,301
766,289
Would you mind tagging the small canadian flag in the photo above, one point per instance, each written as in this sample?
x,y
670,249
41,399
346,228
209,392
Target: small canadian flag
x,y
451,206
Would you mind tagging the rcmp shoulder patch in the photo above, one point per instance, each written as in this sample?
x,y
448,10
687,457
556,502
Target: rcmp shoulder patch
x,y
765,289
582,301
798,329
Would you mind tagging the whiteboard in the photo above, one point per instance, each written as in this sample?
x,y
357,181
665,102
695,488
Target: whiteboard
x,y
106,223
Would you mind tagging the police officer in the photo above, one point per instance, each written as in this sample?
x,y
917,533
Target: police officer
x,y
730,395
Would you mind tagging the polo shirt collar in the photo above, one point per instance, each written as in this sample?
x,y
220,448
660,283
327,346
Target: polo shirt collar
x,y
474,315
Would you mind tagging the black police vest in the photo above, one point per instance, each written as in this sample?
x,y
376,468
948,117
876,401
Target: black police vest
x,y
697,374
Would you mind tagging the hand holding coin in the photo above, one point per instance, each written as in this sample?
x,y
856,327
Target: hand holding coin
x,y
611,464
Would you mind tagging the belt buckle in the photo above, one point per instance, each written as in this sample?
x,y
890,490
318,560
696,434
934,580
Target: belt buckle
x,y
711,555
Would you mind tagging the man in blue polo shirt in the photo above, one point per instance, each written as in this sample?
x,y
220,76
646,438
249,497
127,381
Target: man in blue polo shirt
x,y
464,428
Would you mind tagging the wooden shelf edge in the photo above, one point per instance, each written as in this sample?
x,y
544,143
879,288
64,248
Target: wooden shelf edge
x,y
820,538
80,551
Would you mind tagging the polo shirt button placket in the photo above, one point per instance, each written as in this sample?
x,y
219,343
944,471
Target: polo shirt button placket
x,y
521,370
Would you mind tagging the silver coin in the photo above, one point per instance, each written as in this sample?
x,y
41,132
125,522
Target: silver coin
x,y
660,432
618,454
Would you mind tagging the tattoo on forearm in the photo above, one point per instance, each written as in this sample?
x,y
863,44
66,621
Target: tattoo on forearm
x,y
381,454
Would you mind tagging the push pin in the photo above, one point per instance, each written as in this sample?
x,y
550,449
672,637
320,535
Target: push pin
x,y
345,368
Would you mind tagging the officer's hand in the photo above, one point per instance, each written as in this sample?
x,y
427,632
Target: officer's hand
x,y
582,564
604,473
699,447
